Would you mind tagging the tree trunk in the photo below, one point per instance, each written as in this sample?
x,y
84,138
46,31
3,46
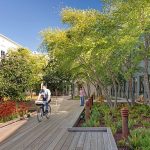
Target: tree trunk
x,y
119,90
131,90
88,90
31,95
107,96
72,90
115,87
146,82
126,97
98,90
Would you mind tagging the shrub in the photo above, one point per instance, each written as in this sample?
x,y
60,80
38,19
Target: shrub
x,y
7,110
146,124
139,139
10,110
22,109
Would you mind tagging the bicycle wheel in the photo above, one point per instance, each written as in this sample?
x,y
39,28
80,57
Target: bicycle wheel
x,y
49,112
39,114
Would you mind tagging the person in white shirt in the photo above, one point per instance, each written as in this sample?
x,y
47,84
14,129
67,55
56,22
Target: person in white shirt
x,y
46,95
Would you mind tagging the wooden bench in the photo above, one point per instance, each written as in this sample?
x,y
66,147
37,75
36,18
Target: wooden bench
x,y
87,138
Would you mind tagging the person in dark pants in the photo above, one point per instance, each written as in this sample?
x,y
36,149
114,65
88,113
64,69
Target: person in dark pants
x,y
82,94
46,95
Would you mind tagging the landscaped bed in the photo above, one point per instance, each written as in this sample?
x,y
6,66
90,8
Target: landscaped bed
x,y
139,124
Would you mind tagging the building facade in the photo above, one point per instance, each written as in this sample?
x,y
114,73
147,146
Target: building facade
x,y
5,45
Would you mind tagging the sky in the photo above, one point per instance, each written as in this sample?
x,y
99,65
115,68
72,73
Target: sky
x,y
22,20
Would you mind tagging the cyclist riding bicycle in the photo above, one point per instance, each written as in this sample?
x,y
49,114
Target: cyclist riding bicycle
x,y
45,94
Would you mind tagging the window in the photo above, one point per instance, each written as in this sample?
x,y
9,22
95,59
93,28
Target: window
x,y
2,54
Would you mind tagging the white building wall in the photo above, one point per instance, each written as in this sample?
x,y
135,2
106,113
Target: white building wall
x,y
6,44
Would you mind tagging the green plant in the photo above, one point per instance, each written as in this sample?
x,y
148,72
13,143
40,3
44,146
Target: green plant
x,y
91,123
119,124
95,113
131,123
146,124
116,112
108,120
121,142
139,139
77,98
113,128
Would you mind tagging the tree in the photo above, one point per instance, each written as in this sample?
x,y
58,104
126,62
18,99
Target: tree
x,y
20,71
15,73
134,18
55,77
102,46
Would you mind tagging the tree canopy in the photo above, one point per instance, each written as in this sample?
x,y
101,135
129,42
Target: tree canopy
x,y
105,47
20,71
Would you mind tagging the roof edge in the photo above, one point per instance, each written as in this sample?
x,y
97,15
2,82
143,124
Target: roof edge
x,y
10,40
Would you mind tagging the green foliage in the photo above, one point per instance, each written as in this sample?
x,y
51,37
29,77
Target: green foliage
x,y
146,124
103,48
55,76
121,142
15,72
131,123
139,139
119,124
91,123
20,71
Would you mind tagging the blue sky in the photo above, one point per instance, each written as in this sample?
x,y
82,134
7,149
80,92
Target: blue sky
x,y
22,20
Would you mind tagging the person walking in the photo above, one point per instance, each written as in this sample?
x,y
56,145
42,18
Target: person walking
x,y
82,94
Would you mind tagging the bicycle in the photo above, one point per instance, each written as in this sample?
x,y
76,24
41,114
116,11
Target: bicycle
x,y
41,110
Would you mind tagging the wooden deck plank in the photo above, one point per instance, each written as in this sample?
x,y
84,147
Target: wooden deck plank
x,y
87,129
29,138
40,139
81,141
18,140
87,144
45,144
100,141
75,140
56,140
68,141
112,140
60,125
27,126
93,141
106,141
17,135
62,141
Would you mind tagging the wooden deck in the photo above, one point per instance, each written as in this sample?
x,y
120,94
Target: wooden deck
x,y
97,138
57,133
